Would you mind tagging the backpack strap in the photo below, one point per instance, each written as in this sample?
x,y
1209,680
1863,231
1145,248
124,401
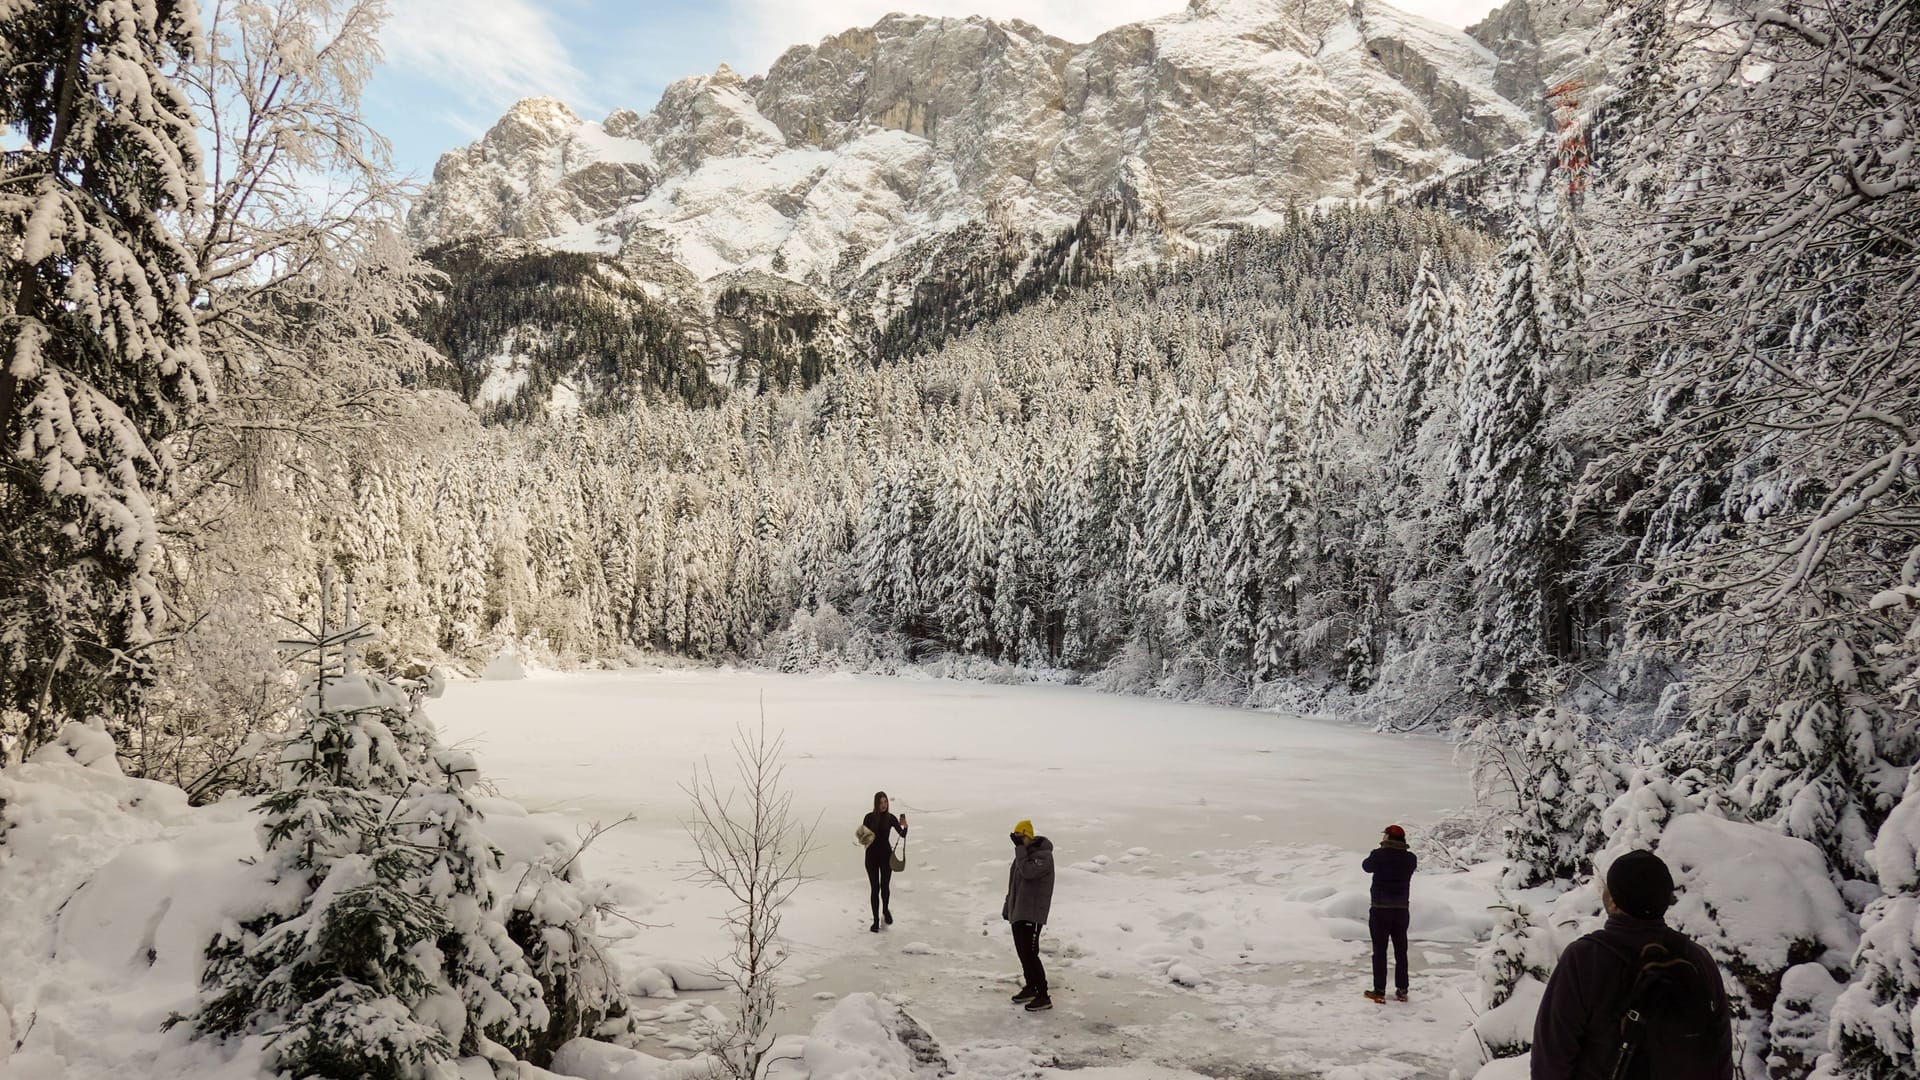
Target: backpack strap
x,y
1631,1024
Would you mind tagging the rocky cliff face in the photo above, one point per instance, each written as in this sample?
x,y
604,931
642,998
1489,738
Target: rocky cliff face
x,y
1545,43
842,168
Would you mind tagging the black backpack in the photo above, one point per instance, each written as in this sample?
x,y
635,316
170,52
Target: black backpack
x,y
1668,1020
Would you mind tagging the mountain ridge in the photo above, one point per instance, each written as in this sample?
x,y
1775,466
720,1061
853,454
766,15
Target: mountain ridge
x,y
854,167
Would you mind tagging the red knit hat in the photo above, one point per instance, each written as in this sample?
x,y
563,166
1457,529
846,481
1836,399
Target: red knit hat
x,y
1396,832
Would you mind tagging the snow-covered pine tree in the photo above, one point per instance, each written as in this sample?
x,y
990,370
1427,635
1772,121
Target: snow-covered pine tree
x,y
1567,776
103,354
885,557
1827,765
1560,780
1284,509
961,551
336,969
461,588
1802,1014
1875,1033
1651,797
1012,566
1233,585
1521,948
554,916
1062,594
1177,491
1113,526
1511,480
1431,354
384,949
1568,303
1512,972
1368,368
500,1002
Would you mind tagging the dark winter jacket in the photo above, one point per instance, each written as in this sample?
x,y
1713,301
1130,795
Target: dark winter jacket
x,y
1030,883
1392,870
1576,1034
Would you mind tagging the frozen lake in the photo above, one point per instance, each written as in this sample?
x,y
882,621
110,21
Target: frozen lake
x,y
1219,845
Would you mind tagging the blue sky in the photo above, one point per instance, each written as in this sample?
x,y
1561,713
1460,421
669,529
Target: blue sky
x,y
453,66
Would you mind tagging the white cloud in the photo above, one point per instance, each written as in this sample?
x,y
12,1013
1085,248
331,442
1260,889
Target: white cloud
x,y
768,27
487,54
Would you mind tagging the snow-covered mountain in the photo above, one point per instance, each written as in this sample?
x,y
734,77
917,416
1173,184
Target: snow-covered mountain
x,y
848,151
880,159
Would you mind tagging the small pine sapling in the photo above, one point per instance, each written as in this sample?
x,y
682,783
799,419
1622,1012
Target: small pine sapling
x,y
1873,1034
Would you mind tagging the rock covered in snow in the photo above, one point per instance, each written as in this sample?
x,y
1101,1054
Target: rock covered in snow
x,y
687,976
857,1040
649,982
1184,974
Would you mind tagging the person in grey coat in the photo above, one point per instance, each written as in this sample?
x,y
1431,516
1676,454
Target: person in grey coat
x,y
1029,900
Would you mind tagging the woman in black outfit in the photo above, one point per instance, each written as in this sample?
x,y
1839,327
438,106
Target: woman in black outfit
x,y
880,856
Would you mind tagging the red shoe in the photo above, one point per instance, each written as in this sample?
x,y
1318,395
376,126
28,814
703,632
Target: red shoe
x,y
1400,996
1376,997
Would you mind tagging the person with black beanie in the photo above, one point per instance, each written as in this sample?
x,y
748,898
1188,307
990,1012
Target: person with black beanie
x,y
1392,865
1635,998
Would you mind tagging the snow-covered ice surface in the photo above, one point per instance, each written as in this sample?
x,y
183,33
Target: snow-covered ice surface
x,y
1209,913
1208,919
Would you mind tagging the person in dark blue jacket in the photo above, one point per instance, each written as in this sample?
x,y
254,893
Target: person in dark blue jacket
x,y
1391,865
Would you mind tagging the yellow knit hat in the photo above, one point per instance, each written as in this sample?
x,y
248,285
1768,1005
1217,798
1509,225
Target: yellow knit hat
x,y
1025,828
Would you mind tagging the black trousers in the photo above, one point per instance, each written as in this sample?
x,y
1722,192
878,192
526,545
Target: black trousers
x,y
1389,925
880,881
1026,942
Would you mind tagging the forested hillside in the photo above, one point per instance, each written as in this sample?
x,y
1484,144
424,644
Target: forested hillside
x,y
1075,483
521,327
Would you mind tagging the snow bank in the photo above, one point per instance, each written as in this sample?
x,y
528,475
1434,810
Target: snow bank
x,y
156,905
1754,897
855,1041
111,888
590,1059
1513,1068
655,977
1500,1029
506,666
82,745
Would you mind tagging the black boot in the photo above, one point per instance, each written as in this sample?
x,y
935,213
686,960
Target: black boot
x,y
888,915
1040,1003
1027,993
